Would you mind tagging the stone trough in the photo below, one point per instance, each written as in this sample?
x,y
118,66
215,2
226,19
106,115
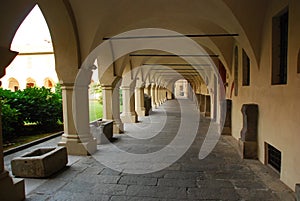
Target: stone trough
x,y
40,163
102,131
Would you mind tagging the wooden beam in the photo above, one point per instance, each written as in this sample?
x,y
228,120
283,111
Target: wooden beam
x,y
173,55
173,36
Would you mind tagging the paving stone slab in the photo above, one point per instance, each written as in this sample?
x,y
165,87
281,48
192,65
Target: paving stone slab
x,y
177,182
157,191
138,180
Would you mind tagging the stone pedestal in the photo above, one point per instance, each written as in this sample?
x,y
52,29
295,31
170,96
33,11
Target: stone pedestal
x,y
198,97
227,123
202,103
248,140
147,104
248,150
207,105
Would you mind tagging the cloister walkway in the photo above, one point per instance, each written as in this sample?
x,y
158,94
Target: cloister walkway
x,y
222,175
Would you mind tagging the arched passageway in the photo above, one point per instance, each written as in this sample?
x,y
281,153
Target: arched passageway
x,y
224,32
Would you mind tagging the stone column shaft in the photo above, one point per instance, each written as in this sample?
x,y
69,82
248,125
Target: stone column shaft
x,y
10,189
78,141
153,98
111,107
169,96
157,96
128,115
139,101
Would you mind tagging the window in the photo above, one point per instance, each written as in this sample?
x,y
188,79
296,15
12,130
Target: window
x,y
246,69
280,47
273,157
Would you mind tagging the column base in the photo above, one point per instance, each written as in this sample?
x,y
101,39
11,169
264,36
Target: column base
x,y
207,114
128,117
118,128
75,147
12,189
141,112
248,150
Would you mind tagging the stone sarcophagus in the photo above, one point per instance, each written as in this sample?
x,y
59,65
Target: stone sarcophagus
x,y
248,140
40,163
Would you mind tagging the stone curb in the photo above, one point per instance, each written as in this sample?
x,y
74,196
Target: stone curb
x,y
30,144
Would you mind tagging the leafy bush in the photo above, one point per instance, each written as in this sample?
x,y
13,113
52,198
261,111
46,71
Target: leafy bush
x,y
32,105
9,119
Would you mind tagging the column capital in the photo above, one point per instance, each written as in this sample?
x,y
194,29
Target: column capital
x,y
66,86
125,87
139,87
107,87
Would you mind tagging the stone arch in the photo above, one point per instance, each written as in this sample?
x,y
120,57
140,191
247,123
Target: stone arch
x,y
62,25
13,84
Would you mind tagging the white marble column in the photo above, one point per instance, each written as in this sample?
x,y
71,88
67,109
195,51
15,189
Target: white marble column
x,y
77,137
128,115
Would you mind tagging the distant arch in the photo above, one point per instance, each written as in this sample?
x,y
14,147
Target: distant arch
x,y
30,82
48,83
13,84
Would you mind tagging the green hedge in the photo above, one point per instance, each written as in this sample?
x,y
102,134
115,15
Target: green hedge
x,y
32,105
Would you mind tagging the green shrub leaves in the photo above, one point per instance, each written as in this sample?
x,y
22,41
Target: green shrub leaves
x,y
39,106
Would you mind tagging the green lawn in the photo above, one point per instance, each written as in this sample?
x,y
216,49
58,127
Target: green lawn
x,y
96,110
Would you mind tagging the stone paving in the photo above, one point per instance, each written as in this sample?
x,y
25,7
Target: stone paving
x,y
222,175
